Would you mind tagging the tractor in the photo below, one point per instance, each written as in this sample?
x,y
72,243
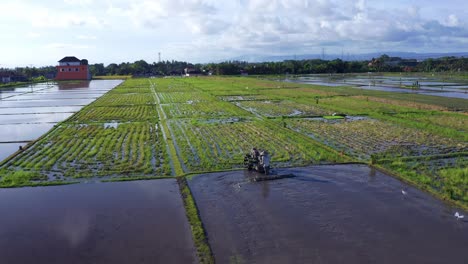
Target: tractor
x,y
258,161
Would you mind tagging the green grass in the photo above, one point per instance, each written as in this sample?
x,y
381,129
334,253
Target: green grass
x,y
11,179
333,117
447,180
205,256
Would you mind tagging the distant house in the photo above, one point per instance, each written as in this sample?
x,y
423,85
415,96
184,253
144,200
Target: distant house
x,y
192,72
10,76
392,62
71,68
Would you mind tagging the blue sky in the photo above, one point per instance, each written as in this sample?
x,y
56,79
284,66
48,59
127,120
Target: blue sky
x,y
38,33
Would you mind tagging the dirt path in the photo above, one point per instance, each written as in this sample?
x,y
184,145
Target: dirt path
x,y
326,214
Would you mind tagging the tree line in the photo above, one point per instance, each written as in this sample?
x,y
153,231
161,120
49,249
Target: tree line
x,y
383,63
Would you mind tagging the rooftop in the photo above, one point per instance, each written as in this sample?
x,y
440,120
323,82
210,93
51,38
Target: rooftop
x,y
69,59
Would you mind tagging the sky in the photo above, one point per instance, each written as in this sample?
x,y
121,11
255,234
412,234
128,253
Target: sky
x,y
39,33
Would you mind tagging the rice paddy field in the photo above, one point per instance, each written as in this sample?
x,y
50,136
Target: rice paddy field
x,y
180,127
174,126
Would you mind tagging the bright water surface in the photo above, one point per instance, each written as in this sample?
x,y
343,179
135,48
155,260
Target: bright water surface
x,y
428,86
27,112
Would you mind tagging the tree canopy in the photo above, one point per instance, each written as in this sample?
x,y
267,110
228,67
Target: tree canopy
x,y
384,63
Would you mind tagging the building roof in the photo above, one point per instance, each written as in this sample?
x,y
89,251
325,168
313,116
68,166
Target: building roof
x,y
69,59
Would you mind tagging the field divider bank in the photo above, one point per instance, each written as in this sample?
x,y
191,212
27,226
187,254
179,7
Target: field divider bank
x,y
200,238
177,169
421,186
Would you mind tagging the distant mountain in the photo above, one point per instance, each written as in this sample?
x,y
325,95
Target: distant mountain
x,y
349,57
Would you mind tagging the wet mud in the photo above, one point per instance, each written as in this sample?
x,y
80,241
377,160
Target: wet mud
x,y
127,222
326,214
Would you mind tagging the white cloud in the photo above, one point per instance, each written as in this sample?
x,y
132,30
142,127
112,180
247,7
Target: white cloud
x,y
34,35
452,21
67,46
45,18
78,2
298,25
86,37
153,14
224,29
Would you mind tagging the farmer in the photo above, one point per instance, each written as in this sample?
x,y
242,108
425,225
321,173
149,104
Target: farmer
x,y
264,158
255,154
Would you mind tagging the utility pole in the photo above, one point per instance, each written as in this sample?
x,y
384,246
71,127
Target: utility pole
x,y
159,56
323,53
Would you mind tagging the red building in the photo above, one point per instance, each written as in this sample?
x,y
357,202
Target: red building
x,y
71,68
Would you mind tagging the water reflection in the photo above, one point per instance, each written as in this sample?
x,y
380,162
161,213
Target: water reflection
x,y
6,149
403,84
70,85
74,226
23,132
95,223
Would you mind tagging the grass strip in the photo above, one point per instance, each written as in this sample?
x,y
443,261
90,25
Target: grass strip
x,y
205,256
420,186
38,184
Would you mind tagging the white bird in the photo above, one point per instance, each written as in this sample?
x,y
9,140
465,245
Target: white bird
x,y
403,192
459,216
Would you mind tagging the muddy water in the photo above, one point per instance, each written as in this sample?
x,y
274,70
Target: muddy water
x,y
326,214
131,222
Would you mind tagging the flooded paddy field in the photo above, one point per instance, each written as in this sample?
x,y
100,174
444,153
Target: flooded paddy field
x,y
131,222
326,214
166,127
36,110
34,118
27,112
9,148
22,132
436,86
